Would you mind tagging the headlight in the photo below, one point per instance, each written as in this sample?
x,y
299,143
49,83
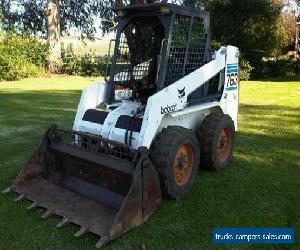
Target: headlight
x,y
164,10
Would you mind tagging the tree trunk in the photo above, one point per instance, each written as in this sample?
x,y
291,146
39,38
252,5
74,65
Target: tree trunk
x,y
52,14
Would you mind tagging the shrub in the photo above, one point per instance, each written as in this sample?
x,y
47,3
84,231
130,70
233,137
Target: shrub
x,y
295,65
86,65
274,67
15,68
245,70
21,57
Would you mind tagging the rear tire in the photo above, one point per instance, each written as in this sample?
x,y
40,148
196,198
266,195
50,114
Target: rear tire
x,y
217,139
175,154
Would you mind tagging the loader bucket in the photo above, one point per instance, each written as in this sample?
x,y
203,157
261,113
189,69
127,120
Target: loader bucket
x,y
103,186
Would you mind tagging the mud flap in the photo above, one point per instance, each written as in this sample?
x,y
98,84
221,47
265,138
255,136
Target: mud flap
x,y
102,186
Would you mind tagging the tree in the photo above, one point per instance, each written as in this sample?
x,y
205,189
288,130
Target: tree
x,y
52,13
289,24
61,16
28,15
249,25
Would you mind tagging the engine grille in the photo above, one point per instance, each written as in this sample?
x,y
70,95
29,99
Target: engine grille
x,y
95,144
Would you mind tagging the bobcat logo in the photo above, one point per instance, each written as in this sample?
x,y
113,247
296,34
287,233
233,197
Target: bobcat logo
x,y
168,109
181,93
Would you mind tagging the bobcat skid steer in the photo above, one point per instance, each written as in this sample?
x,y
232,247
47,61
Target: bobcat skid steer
x,y
167,106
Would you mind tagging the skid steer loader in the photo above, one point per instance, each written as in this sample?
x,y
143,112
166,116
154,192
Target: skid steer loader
x,y
168,105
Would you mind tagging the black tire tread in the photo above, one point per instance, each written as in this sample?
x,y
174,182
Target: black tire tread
x,y
206,134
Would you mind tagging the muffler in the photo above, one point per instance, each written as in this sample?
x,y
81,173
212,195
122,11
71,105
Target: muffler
x,y
103,186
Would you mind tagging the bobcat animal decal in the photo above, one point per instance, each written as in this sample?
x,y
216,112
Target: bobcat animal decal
x,y
181,93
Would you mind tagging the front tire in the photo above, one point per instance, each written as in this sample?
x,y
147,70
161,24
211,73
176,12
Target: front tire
x,y
175,154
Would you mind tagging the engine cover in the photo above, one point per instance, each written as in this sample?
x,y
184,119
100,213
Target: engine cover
x,y
119,122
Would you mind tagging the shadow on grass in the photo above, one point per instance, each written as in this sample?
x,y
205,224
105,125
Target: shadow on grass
x,y
268,109
259,189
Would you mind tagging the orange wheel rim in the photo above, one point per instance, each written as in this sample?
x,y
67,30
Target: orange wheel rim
x,y
224,145
183,164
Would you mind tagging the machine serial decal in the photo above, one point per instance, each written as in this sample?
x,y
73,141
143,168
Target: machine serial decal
x,y
232,76
181,93
168,109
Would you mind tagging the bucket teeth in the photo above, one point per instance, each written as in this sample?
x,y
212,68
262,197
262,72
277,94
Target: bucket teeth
x,y
81,232
19,198
101,242
62,223
7,190
32,206
46,215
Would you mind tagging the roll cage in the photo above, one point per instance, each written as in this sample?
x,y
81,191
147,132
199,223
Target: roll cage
x,y
156,45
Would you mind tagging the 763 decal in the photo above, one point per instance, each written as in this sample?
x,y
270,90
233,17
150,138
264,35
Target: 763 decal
x,y
232,77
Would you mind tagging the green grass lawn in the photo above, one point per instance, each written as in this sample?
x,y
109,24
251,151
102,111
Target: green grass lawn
x,y
260,189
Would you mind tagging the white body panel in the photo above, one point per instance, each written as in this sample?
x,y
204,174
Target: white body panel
x,y
167,107
190,118
230,99
91,97
109,130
